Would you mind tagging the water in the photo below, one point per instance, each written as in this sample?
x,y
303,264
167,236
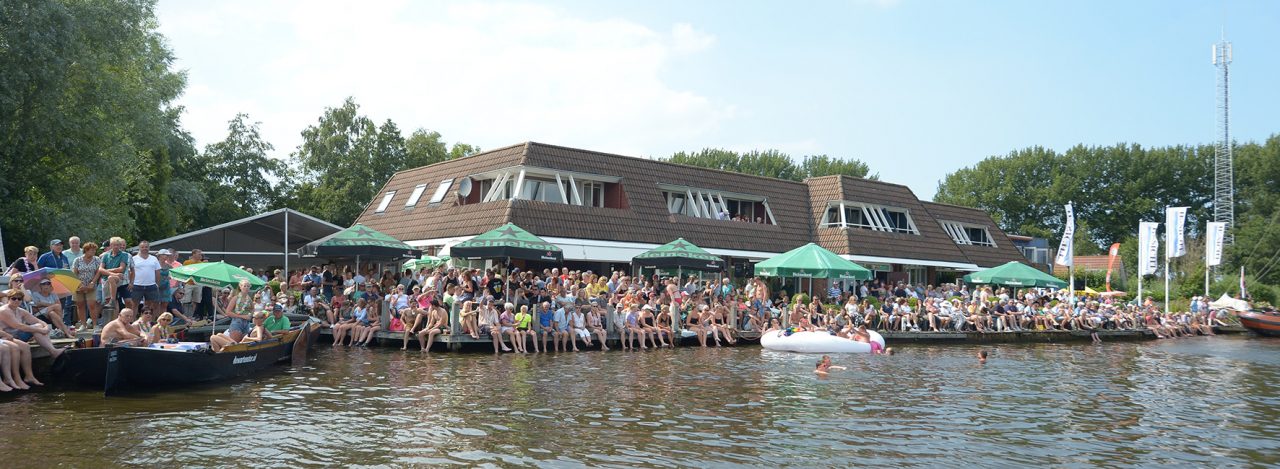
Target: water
x,y
1188,402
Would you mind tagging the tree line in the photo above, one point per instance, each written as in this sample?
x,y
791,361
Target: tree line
x,y
92,143
1114,187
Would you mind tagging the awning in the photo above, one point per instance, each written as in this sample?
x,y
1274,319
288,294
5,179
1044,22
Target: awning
x,y
257,241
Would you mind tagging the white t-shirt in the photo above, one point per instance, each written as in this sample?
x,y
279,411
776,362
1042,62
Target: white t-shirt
x,y
144,270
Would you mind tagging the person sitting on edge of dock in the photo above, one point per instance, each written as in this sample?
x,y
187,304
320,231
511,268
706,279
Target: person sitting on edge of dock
x,y
595,325
519,327
15,363
488,322
367,329
22,324
121,330
437,324
469,318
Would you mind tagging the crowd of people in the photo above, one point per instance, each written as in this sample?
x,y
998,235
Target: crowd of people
x,y
554,309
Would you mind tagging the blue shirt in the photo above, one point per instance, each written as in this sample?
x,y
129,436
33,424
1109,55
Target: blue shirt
x,y
544,317
52,261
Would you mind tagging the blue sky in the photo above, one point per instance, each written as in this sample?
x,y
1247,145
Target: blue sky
x,y
916,89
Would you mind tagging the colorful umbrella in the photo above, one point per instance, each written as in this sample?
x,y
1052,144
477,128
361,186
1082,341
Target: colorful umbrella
x,y
63,280
216,274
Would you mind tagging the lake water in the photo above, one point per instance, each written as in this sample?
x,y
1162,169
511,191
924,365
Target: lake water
x,y
1207,402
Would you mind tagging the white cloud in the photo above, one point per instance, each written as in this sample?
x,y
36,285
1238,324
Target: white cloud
x,y
484,73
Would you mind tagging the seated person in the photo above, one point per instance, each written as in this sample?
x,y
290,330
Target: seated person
x,y
48,308
277,322
121,331
256,333
174,307
163,330
22,324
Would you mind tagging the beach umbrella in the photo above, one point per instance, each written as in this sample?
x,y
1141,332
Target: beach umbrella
x,y
811,261
64,282
359,241
216,274
679,254
1015,274
508,242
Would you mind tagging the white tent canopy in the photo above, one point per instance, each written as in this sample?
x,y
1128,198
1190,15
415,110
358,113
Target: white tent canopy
x,y
259,241
1227,302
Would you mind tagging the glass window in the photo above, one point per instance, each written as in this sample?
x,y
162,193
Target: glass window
x,y
386,200
441,190
417,194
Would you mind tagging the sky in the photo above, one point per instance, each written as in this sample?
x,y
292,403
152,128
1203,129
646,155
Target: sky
x,y
916,89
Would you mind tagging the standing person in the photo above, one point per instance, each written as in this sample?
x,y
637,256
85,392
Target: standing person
x,y
197,297
73,251
164,282
116,263
87,268
54,259
328,282
144,279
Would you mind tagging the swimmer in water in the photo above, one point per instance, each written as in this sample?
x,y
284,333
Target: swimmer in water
x,y
824,366
982,357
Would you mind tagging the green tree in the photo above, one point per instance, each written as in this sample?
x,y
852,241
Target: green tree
x,y
240,163
771,163
86,121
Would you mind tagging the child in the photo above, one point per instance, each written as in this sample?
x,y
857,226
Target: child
x,y
982,357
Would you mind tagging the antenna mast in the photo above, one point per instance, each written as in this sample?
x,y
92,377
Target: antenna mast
x,y
1223,171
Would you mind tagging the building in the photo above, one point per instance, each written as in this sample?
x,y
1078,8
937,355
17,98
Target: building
x,y
1094,264
602,209
1036,250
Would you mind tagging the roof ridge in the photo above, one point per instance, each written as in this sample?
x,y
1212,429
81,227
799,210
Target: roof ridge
x,y
668,163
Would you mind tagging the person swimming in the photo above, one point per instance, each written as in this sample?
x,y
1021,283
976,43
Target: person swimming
x,y
982,357
824,366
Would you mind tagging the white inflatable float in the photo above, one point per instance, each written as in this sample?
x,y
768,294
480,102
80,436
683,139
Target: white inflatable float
x,y
816,342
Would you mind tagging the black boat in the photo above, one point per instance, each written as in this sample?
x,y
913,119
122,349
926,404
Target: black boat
x,y
118,369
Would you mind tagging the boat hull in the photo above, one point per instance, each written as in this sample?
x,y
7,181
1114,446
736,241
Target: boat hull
x,y
1261,323
816,342
118,369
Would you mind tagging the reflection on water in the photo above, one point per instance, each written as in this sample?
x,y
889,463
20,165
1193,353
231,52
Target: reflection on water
x,y
1197,402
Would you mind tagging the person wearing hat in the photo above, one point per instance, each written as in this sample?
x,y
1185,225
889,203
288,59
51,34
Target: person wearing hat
x,y
48,307
54,259
277,321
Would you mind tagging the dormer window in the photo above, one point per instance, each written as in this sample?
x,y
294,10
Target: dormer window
x,y
717,205
846,214
967,234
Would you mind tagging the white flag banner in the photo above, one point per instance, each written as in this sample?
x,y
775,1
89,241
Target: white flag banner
x,y
1215,234
1175,224
1148,246
1066,249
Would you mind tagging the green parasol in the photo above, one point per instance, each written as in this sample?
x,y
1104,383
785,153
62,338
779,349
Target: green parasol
x,y
1015,274
216,274
811,261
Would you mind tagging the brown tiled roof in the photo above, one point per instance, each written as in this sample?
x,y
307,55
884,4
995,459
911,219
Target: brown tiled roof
x,y
932,243
648,220
796,206
1091,263
983,256
448,218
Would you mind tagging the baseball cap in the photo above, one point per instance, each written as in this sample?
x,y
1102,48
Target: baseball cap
x,y
278,308
55,241
46,282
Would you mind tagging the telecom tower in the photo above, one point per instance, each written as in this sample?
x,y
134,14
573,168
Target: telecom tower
x,y
1223,175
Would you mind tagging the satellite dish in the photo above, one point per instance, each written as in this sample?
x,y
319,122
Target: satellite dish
x,y
464,187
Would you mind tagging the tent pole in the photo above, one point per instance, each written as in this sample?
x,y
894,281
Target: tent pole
x,y
286,249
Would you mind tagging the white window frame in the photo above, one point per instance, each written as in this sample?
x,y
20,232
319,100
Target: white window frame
x,y
873,216
708,204
441,191
386,201
959,232
572,187
416,195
